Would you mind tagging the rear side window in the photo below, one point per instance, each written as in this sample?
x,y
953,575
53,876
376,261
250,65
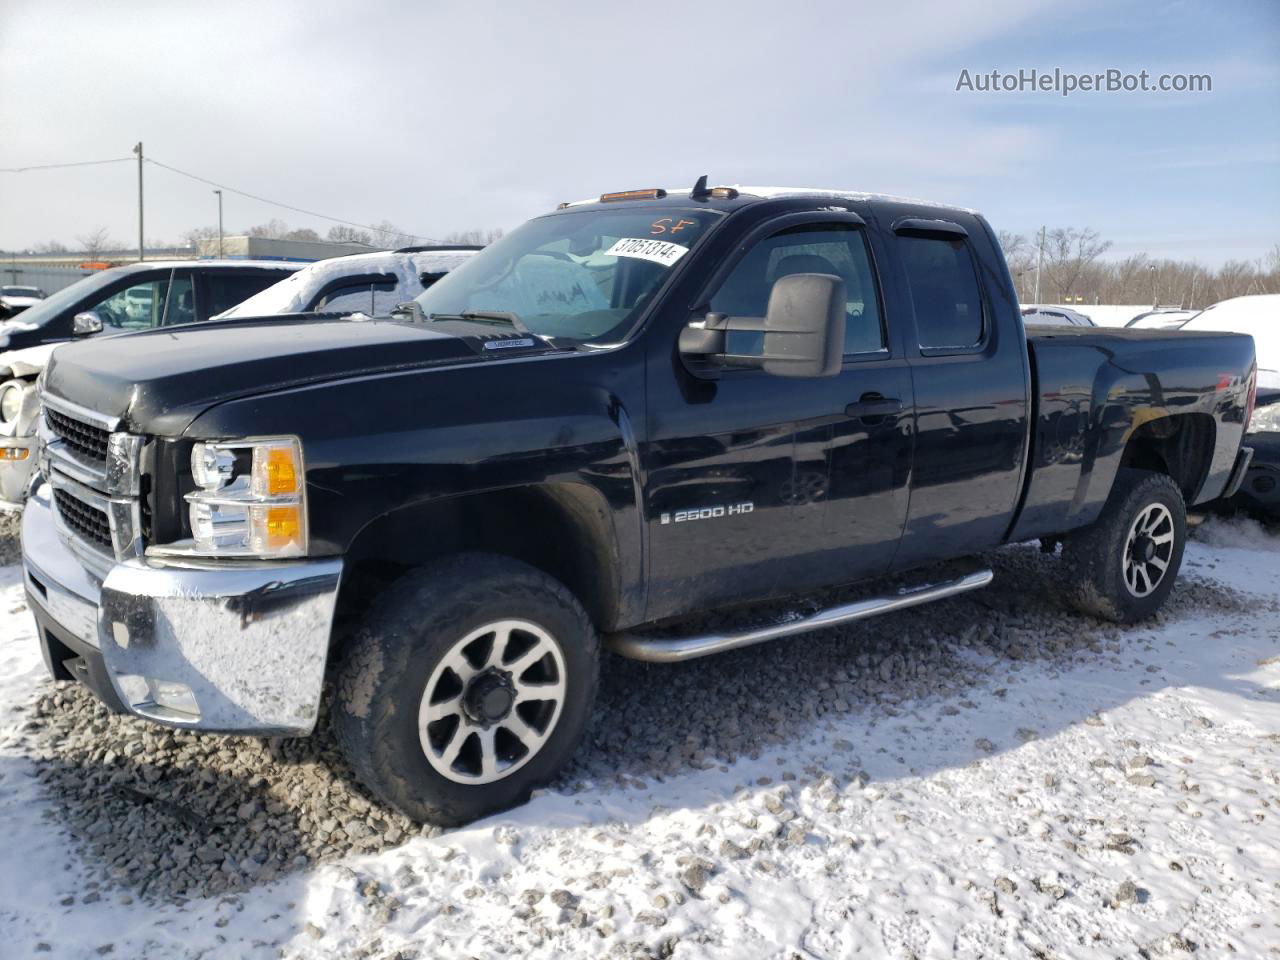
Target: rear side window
x,y
223,291
944,290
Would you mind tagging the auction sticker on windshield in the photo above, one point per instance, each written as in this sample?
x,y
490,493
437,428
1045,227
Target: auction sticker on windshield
x,y
657,251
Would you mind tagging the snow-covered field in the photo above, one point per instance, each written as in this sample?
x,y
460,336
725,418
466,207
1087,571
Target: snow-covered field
x,y
1118,798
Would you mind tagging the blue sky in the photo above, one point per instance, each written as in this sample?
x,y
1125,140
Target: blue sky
x,y
442,116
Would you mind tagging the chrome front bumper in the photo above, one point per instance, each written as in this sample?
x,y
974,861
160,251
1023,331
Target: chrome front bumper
x,y
227,647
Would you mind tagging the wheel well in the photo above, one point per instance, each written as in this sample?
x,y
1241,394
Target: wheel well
x,y
1180,446
563,529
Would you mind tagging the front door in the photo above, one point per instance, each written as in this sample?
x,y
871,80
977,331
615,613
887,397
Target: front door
x,y
759,485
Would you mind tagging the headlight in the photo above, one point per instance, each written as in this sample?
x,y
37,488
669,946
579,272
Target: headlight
x,y
252,498
11,399
1265,419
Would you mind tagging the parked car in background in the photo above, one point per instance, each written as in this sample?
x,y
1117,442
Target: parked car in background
x,y
369,283
13,300
117,300
1055,317
1163,318
1258,316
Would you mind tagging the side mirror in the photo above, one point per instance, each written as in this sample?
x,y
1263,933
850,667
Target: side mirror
x,y
803,329
85,323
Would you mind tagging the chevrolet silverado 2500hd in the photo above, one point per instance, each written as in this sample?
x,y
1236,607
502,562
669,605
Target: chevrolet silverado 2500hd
x,y
626,411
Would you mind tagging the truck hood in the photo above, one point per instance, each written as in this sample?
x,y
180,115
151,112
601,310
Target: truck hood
x,y
158,381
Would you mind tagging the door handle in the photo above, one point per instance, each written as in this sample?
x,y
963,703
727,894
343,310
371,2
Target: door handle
x,y
873,405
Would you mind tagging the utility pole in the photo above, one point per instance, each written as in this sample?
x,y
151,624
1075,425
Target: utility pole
x,y
1155,295
219,193
1039,264
138,150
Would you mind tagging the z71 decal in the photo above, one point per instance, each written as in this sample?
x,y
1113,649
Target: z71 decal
x,y
709,513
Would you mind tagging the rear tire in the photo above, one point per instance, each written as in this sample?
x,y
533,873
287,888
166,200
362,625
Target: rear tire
x,y
1122,566
469,684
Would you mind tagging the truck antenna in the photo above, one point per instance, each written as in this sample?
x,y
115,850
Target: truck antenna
x,y
700,191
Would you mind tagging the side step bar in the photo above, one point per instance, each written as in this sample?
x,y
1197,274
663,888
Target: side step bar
x,y
675,649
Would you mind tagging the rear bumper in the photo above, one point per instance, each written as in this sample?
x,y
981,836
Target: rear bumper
x,y
1238,472
233,648
1259,489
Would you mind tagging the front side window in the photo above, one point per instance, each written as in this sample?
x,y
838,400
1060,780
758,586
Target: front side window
x,y
582,277
833,248
136,307
944,291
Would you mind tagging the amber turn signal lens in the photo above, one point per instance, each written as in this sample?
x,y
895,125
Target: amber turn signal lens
x,y
14,453
275,471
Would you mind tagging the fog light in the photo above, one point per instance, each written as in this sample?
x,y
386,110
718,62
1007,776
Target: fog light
x,y
171,695
159,699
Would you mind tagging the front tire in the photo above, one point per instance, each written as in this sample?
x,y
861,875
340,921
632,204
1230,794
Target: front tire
x,y
1122,567
469,684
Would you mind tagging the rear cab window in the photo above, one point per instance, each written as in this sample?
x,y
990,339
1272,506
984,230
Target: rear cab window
x,y
946,297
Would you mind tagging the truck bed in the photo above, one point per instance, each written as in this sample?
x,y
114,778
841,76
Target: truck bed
x,y
1095,387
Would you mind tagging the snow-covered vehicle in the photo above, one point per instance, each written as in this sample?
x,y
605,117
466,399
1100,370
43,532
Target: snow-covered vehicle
x,y
1055,317
1162,318
1258,316
368,283
13,300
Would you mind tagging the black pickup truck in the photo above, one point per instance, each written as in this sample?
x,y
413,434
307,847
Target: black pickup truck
x,y
627,411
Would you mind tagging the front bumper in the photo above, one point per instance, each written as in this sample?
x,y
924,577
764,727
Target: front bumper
x,y
227,647
15,475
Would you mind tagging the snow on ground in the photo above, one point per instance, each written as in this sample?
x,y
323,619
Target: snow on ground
x,y
1122,802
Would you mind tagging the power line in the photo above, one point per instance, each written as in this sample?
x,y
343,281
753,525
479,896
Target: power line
x,y
277,203
57,166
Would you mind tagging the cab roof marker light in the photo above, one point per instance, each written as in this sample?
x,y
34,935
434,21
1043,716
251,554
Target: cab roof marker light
x,y
653,193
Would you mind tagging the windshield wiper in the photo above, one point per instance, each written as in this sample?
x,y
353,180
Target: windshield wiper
x,y
484,316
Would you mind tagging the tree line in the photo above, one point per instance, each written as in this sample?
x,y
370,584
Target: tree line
x,y
1072,267
385,235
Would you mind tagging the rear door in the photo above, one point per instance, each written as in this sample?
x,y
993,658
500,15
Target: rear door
x,y
968,361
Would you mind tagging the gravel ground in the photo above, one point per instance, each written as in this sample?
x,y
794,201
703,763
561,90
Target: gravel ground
x,y
169,815
10,548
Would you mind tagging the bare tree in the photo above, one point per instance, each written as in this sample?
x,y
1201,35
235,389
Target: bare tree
x,y
302,233
387,234
96,242
51,246
1068,254
273,229
341,233
478,237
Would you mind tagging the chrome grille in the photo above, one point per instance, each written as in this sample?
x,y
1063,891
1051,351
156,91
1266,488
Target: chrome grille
x,y
84,438
84,520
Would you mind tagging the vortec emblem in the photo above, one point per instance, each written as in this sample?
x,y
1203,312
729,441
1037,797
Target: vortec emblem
x,y
504,344
709,513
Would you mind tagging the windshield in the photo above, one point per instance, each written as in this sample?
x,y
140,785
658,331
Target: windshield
x,y
48,308
576,276
20,291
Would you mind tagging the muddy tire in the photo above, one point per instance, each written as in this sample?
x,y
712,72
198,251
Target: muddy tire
x,y
469,684
1123,566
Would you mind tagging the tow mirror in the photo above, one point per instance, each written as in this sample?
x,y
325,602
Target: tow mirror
x,y
803,329
85,323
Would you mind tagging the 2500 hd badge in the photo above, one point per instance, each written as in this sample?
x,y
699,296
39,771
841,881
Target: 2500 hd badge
x,y
709,513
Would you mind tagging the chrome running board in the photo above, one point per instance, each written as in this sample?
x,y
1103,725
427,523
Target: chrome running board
x,y
675,649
